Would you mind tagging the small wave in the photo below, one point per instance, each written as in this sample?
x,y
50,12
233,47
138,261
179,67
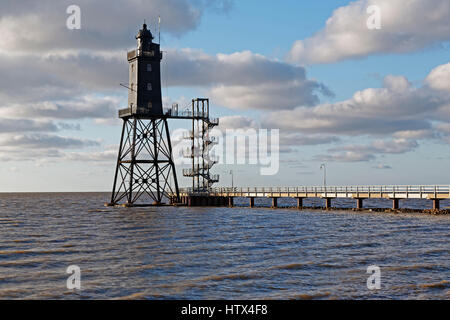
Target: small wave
x,y
21,241
8,252
331,266
10,221
292,266
355,245
12,293
410,267
436,252
236,276
98,210
311,296
444,284
22,263
140,268
32,251
134,296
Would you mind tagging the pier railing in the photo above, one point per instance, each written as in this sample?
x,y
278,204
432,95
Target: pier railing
x,y
400,191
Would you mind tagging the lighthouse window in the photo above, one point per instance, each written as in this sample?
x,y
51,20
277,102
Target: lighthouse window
x,y
149,87
149,67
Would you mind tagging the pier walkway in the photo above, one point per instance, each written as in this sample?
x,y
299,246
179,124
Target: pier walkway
x,y
225,196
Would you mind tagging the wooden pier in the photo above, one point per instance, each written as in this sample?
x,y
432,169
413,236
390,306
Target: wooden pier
x,y
225,196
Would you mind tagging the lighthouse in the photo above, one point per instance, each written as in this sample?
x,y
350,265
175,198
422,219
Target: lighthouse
x,y
144,97
145,171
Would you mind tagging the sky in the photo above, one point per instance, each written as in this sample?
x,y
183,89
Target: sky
x,y
370,101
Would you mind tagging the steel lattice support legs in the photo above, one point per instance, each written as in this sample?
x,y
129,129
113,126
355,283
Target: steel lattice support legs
x,y
145,172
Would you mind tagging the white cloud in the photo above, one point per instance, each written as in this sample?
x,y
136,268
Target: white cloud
x,y
396,83
63,85
347,156
243,80
397,108
415,134
51,72
443,127
77,108
268,96
392,146
294,139
21,125
358,153
41,147
382,166
406,26
75,75
443,130
43,141
108,155
29,25
439,78
33,77
237,122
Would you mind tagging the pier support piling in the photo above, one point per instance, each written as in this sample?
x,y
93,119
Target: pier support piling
x,y
359,203
299,203
230,202
252,202
395,204
328,203
274,202
436,204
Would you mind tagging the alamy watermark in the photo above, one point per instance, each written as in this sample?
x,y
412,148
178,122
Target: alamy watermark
x,y
73,22
374,281
258,147
74,280
374,20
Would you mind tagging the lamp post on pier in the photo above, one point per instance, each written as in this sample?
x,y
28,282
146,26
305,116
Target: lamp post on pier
x,y
324,168
232,177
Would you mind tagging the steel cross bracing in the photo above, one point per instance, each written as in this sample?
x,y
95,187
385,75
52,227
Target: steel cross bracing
x,y
145,163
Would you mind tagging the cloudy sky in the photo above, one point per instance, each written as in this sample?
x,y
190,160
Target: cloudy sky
x,y
373,104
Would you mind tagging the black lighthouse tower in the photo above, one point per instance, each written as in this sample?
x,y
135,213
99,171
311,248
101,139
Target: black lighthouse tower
x,y
145,172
